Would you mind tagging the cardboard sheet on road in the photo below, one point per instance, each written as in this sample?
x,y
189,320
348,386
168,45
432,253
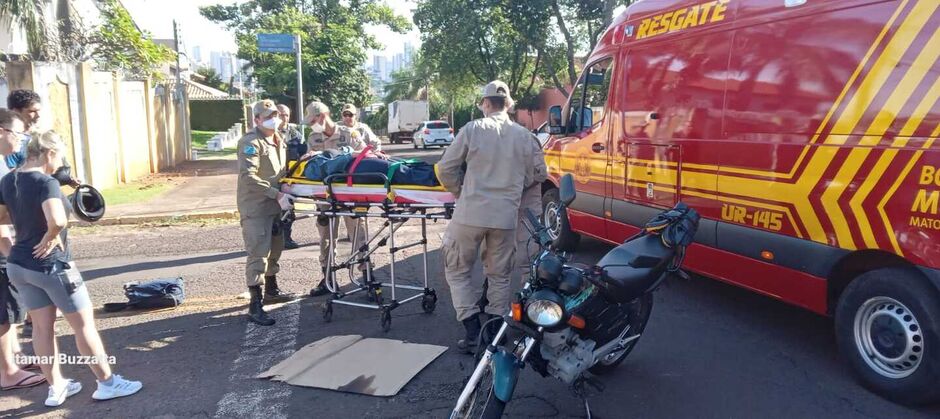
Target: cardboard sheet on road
x,y
353,364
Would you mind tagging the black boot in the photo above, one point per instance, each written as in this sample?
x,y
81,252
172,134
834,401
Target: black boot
x,y
321,288
471,326
290,244
273,294
255,310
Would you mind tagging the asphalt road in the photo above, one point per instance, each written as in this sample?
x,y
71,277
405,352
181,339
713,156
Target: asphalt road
x,y
710,351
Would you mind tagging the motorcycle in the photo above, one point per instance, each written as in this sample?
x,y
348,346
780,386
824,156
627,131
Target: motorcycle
x,y
571,321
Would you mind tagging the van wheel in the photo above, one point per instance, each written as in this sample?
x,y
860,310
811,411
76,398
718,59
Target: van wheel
x,y
555,218
888,329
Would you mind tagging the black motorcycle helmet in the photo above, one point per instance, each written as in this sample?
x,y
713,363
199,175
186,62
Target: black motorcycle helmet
x,y
88,203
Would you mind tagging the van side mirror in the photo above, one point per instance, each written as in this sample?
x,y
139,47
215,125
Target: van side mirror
x,y
554,120
566,192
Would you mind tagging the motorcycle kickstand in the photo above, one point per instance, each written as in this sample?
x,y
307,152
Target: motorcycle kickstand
x,y
582,393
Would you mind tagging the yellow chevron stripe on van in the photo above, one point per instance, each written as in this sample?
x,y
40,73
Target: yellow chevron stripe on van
x,y
898,98
910,127
897,183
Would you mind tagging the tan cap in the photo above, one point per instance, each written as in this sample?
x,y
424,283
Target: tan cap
x,y
314,109
264,108
496,88
349,107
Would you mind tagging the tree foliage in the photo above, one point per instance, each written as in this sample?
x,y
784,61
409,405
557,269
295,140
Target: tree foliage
x,y
118,45
527,44
333,40
212,78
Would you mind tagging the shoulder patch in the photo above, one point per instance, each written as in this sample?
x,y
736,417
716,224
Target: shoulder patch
x,y
250,150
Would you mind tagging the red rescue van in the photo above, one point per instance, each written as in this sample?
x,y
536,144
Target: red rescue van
x,y
804,132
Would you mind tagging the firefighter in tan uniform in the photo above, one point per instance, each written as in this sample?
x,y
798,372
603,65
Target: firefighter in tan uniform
x,y
354,132
261,161
526,249
327,136
487,168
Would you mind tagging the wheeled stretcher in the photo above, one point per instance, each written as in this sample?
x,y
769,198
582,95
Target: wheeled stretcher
x,y
338,196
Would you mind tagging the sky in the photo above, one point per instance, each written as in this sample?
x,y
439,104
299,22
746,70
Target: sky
x,y
156,16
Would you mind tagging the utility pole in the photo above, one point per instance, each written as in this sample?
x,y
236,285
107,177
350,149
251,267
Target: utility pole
x,y
300,89
179,96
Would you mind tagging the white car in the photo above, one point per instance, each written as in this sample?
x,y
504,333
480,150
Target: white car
x,y
433,133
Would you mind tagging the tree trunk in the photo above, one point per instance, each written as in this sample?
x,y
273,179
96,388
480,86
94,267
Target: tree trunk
x,y
569,42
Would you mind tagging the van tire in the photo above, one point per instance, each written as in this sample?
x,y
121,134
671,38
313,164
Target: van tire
x,y
564,238
893,314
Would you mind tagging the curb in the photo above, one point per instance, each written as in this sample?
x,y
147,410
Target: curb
x,y
159,218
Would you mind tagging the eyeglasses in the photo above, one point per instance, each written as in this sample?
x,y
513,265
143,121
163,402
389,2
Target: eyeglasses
x,y
18,134
348,114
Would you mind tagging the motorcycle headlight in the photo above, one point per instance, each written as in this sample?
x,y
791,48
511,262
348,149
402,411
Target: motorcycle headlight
x,y
545,309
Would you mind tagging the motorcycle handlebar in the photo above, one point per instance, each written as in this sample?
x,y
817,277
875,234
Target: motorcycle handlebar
x,y
539,232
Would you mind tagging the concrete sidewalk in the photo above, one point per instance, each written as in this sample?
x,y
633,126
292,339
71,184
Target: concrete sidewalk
x,y
207,191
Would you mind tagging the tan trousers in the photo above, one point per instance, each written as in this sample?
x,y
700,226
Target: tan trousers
x,y
263,248
461,250
326,247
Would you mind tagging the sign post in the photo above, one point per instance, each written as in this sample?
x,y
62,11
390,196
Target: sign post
x,y
282,43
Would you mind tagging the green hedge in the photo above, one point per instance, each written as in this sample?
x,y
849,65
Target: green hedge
x,y
215,115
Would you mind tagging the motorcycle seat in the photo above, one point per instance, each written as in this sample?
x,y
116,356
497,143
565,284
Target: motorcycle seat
x,y
633,268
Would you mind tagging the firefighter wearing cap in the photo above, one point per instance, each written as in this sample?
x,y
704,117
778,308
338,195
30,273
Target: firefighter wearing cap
x,y
488,166
261,161
526,250
356,134
326,136
323,132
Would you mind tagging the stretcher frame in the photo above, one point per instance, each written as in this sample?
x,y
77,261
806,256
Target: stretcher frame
x,y
395,215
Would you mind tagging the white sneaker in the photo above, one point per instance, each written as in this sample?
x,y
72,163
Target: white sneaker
x,y
57,396
119,388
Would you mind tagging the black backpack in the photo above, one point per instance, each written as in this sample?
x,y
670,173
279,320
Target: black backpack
x,y
158,293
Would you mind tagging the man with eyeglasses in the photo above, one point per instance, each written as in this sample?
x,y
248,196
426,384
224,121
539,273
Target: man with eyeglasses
x,y
11,375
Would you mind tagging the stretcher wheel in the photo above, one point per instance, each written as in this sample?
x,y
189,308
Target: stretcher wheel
x,y
428,303
386,319
328,311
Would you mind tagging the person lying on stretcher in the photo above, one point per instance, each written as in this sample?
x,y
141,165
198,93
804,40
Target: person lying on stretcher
x,y
333,152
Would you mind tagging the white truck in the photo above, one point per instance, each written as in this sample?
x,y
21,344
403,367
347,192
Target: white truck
x,y
404,117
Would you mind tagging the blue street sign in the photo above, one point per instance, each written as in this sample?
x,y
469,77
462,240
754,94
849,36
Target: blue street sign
x,y
275,42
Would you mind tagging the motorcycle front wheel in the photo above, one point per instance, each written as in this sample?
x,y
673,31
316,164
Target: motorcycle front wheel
x,y
639,310
483,403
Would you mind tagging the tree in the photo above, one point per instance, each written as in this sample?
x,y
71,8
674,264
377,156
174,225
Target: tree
x,y
212,78
525,43
120,46
27,13
474,41
333,39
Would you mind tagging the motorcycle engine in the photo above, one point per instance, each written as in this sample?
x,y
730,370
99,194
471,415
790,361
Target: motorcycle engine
x,y
566,355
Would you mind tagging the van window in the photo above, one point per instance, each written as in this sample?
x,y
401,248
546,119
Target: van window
x,y
597,87
677,91
590,93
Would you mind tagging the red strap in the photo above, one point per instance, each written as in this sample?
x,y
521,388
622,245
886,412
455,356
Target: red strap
x,y
355,164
